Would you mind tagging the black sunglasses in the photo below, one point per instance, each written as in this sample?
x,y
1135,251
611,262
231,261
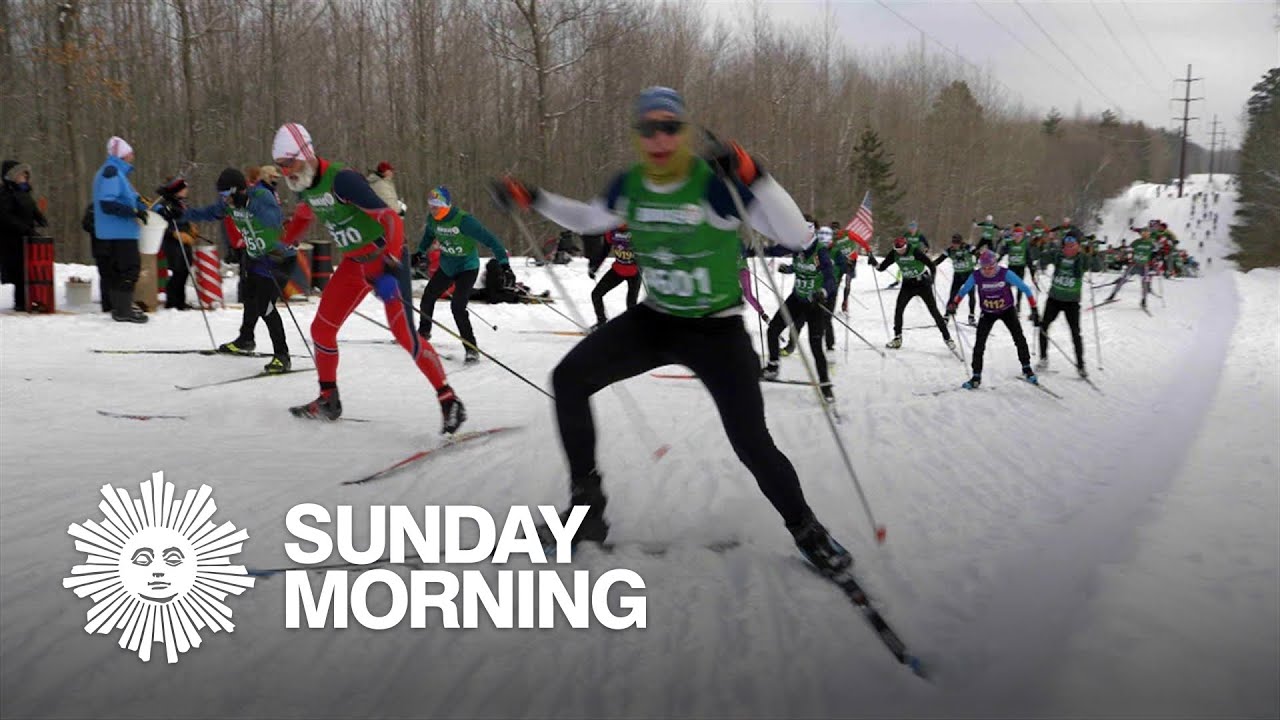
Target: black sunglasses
x,y
649,128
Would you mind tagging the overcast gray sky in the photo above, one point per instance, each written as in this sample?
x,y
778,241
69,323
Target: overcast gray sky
x,y
1229,43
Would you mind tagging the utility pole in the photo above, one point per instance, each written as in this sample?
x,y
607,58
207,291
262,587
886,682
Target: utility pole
x,y
1213,145
1186,119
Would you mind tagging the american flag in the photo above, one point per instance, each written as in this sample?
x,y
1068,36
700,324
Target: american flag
x,y
860,227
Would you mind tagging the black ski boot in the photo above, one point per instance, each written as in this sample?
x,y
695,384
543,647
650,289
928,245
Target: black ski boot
x,y
472,357
770,371
278,365
453,412
819,548
594,528
326,407
827,393
237,347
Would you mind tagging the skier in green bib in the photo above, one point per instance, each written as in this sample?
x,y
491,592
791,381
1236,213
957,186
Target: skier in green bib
x,y
684,229
371,237
256,214
816,280
963,264
456,232
1069,269
917,272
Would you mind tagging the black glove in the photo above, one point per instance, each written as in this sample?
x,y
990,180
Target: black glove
x,y
509,193
141,215
785,269
592,270
951,306
819,296
419,260
730,160
871,260
1035,317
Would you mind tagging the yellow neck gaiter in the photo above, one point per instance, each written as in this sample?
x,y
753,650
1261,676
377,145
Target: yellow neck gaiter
x,y
676,169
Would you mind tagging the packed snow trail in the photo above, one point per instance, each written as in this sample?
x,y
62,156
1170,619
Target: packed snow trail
x,y
1005,508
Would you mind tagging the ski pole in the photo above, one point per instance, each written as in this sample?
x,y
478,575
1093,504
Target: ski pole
x,y
880,530
285,300
1097,337
875,276
476,315
629,404
495,360
759,318
580,326
1163,304
194,288
849,329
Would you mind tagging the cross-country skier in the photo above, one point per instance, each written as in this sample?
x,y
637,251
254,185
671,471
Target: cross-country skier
x,y
371,238
839,263
963,262
846,245
257,216
994,285
1016,249
1070,267
617,243
456,232
989,232
917,273
684,228
1142,250
815,282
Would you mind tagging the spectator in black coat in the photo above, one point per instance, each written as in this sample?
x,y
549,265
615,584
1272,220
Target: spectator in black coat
x,y
19,217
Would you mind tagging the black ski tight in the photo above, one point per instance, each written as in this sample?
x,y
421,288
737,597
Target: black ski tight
x,y
260,298
1010,319
610,281
1072,311
178,256
802,312
922,289
957,283
463,282
717,350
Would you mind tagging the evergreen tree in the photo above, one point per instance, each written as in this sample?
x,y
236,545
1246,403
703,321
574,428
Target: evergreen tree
x,y
872,168
1259,179
1052,123
1109,120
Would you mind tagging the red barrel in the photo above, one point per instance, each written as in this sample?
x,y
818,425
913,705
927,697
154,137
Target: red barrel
x,y
208,277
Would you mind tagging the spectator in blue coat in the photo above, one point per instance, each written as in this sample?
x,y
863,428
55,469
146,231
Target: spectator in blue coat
x,y
117,212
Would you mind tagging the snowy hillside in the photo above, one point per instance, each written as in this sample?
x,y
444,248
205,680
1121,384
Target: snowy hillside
x,y
1113,552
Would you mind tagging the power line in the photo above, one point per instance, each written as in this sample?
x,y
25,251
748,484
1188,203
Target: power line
x,y
939,43
1053,42
1150,85
1164,67
1025,46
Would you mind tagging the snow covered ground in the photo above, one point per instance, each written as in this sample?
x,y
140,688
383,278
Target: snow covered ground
x,y
1110,554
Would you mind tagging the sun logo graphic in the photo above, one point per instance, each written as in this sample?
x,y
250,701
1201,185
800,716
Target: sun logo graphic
x,y
157,568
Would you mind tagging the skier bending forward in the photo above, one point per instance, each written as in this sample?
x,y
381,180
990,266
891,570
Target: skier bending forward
x,y
684,227
372,240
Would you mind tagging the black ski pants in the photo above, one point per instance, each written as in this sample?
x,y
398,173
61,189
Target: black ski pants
x,y
610,281
463,282
178,256
1070,309
827,317
720,354
1010,319
923,289
259,295
123,264
802,312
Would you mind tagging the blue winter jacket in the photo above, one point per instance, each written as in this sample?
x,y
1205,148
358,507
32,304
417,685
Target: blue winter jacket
x,y
115,202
